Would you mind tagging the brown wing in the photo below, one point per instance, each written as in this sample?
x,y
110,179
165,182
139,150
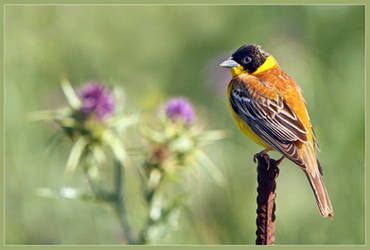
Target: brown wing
x,y
271,119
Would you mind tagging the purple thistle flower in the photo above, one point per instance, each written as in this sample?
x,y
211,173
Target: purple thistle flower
x,y
96,98
179,107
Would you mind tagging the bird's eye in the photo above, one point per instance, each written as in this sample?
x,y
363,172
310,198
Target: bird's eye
x,y
247,59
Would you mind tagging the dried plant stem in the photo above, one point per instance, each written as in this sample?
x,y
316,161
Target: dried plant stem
x,y
268,171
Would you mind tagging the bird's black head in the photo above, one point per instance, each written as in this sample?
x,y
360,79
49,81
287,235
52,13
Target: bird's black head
x,y
250,56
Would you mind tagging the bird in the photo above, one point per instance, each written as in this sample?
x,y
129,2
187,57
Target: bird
x,y
269,108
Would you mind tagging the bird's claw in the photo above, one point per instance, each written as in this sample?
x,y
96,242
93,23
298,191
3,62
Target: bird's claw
x,y
262,153
280,160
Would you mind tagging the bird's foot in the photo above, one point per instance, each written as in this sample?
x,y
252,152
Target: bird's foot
x,y
263,152
280,160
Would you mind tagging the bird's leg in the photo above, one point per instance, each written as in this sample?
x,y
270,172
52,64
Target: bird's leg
x,y
280,160
263,152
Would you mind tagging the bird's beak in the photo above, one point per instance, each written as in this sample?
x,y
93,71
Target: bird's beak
x,y
229,63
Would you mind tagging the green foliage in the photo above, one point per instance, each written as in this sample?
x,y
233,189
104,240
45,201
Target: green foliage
x,y
156,52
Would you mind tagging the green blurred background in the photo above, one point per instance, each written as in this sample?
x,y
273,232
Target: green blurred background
x,y
158,52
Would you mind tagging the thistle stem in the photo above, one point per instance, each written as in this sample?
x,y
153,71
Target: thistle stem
x,y
119,203
115,198
149,193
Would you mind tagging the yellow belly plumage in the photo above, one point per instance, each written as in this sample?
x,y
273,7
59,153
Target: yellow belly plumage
x,y
244,128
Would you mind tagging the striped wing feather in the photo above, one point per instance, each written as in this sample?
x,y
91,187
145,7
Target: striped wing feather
x,y
271,119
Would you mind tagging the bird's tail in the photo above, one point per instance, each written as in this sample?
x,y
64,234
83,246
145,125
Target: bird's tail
x,y
313,174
